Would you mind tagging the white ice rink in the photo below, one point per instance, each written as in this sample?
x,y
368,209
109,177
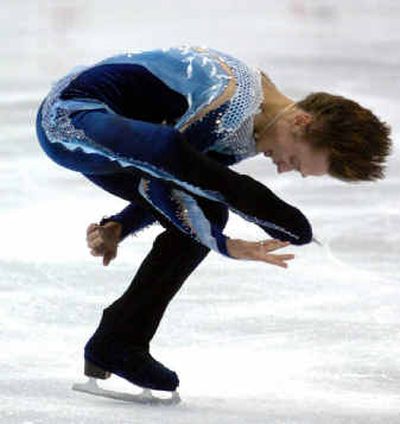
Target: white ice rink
x,y
317,343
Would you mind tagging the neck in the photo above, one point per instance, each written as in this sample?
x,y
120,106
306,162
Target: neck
x,y
265,126
269,123
275,106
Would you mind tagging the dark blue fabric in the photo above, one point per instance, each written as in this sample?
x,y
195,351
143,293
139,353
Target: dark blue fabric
x,y
141,103
215,213
134,92
168,156
129,90
161,151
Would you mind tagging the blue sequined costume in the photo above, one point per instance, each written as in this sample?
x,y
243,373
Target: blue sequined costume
x,y
145,115
155,128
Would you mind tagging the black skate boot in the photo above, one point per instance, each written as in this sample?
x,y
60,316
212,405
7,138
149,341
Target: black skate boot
x,y
104,357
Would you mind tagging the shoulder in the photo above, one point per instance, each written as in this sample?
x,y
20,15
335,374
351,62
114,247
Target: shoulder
x,y
242,94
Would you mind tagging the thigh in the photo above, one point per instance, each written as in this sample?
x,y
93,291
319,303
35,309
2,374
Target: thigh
x,y
69,154
120,184
129,142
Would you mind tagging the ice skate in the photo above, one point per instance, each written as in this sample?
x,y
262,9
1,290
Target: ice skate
x,y
135,365
146,397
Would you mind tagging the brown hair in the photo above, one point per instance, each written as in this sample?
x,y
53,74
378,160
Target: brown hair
x,y
357,141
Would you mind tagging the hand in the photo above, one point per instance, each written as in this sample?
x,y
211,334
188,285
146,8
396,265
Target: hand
x,y
103,240
259,251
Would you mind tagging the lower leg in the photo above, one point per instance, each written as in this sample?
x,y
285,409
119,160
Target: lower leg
x,y
135,316
120,343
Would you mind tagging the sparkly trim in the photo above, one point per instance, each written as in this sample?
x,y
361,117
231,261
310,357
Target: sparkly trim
x,y
180,211
247,98
56,112
193,217
185,214
232,129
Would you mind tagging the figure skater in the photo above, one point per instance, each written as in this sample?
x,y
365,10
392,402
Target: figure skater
x,y
160,130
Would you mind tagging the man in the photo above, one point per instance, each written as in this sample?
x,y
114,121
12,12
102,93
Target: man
x,y
160,130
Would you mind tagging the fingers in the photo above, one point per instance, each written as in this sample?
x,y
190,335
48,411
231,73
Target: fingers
x,y
262,252
108,235
106,260
99,248
108,257
91,228
272,245
278,260
95,238
103,241
93,231
108,254
97,243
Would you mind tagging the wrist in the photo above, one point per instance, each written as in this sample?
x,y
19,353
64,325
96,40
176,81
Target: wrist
x,y
233,248
114,226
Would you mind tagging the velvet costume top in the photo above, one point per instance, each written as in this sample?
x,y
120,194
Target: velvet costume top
x,y
171,88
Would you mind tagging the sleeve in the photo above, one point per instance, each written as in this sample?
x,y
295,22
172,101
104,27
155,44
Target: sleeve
x,y
133,218
209,233
188,213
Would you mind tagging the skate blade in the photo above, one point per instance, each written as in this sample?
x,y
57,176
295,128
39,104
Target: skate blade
x,y
146,397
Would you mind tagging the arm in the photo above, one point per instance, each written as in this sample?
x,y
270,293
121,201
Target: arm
x,y
195,222
103,238
162,152
204,221
247,197
133,218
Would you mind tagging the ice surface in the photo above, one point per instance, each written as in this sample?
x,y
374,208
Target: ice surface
x,y
318,343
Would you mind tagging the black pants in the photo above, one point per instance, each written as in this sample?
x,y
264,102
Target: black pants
x,y
134,318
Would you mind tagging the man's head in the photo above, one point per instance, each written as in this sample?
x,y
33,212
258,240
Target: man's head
x,y
328,134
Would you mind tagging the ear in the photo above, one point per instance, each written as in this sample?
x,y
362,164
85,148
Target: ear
x,y
302,119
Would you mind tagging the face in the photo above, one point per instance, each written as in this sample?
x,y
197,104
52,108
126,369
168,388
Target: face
x,y
289,151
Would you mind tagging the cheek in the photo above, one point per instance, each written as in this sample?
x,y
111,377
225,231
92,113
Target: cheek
x,y
284,148
318,164
324,167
